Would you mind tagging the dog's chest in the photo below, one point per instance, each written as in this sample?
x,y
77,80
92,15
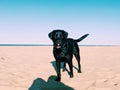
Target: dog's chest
x,y
57,51
64,51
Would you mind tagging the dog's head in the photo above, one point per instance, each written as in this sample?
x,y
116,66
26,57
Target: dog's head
x,y
57,36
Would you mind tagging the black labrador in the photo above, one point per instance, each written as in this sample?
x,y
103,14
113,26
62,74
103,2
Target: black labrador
x,y
63,49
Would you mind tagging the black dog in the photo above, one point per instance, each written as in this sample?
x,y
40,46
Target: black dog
x,y
63,49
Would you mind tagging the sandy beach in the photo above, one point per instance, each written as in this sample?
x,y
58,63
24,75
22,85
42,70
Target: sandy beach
x,y
31,68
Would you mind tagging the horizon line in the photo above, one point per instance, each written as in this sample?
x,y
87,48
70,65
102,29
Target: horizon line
x,y
49,45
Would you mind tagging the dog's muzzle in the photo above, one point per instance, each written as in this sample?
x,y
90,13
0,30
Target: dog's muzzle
x,y
58,46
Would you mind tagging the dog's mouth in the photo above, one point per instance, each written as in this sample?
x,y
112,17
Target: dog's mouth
x,y
58,46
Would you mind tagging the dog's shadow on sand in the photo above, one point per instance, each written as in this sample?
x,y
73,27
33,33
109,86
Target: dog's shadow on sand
x,y
51,84
62,67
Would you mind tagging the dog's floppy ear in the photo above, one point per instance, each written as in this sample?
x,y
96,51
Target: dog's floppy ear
x,y
65,34
50,35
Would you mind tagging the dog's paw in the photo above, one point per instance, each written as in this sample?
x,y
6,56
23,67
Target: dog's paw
x,y
64,69
79,71
71,76
58,79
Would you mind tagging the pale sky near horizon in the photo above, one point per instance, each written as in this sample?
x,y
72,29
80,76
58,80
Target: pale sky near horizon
x,y
30,21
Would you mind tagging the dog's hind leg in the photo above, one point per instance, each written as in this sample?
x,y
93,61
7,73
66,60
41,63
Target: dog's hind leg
x,y
77,56
71,68
79,65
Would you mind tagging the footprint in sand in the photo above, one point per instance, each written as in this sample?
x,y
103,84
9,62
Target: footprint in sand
x,y
2,58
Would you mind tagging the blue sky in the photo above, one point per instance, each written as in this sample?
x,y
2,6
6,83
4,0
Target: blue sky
x,y
30,21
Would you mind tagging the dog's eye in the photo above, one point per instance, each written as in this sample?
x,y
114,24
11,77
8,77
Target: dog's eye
x,y
55,35
60,35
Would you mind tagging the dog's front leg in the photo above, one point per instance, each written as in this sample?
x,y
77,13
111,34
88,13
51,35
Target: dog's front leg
x,y
64,66
58,71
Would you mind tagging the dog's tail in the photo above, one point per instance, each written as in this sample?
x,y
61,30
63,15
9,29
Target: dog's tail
x,y
81,38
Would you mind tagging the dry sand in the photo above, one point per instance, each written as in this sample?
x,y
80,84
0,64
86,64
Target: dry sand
x,y
30,68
